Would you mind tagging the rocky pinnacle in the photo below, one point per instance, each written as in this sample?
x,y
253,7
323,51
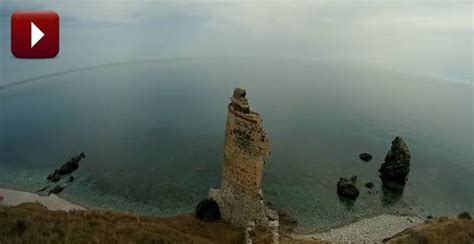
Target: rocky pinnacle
x,y
396,165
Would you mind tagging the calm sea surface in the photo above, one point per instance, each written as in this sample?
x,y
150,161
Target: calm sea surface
x,y
153,135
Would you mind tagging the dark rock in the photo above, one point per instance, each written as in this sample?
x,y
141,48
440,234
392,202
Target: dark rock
x,y
464,215
366,157
347,188
71,178
54,177
56,190
208,210
429,217
396,165
288,221
67,168
43,189
369,185
71,165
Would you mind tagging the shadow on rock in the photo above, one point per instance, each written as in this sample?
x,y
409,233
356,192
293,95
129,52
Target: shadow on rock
x,y
348,203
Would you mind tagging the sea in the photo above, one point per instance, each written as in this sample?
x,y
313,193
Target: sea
x,y
153,131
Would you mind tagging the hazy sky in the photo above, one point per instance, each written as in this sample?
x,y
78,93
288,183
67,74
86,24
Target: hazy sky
x,y
432,38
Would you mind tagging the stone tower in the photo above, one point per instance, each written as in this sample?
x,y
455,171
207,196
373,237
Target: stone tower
x,y
246,148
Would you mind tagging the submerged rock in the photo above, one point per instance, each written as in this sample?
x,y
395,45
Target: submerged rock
x,y
366,157
369,185
67,168
347,188
54,177
396,165
56,190
208,210
43,189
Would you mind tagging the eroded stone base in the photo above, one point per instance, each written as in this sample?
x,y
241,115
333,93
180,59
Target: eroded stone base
x,y
239,206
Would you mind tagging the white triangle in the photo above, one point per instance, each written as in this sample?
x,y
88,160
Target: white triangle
x,y
36,34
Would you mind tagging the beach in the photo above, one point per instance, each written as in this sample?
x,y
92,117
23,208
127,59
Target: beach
x,y
52,202
367,230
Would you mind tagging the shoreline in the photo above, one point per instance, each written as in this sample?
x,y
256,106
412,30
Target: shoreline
x,y
372,229
369,229
14,196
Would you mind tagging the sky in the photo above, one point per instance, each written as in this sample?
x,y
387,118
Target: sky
x,y
430,38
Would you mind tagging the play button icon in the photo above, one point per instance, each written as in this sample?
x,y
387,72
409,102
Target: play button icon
x,y
35,34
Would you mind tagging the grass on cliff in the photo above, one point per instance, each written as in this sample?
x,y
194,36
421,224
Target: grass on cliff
x,y
33,223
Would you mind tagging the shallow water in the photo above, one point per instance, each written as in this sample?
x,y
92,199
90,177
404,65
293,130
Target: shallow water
x,y
153,135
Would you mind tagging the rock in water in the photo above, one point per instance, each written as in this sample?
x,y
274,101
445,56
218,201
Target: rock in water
x,y
347,188
208,210
369,185
56,190
67,168
396,165
366,157
43,189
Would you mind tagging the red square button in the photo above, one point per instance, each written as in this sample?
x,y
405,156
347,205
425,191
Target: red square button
x,y
35,34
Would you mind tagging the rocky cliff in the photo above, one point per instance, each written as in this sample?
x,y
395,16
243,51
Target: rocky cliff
x,y
246,148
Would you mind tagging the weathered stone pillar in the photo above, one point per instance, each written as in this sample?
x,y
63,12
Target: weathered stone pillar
x,y
246,148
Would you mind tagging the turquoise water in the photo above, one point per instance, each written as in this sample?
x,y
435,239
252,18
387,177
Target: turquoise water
x,y
153,135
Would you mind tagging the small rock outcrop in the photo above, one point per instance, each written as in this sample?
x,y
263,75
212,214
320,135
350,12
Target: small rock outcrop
x,y
347,188
246,148
396,165
56,190
208,210
366,157
369,185
67,168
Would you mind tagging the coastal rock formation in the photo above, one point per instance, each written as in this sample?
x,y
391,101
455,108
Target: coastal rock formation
x,y
347,188
396,165
246,148
67,168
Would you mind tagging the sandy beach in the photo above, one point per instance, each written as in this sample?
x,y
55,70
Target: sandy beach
x,y
368,230
52,202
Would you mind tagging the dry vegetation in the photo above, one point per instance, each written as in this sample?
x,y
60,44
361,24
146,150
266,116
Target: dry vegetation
x,y
439,230
33,223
